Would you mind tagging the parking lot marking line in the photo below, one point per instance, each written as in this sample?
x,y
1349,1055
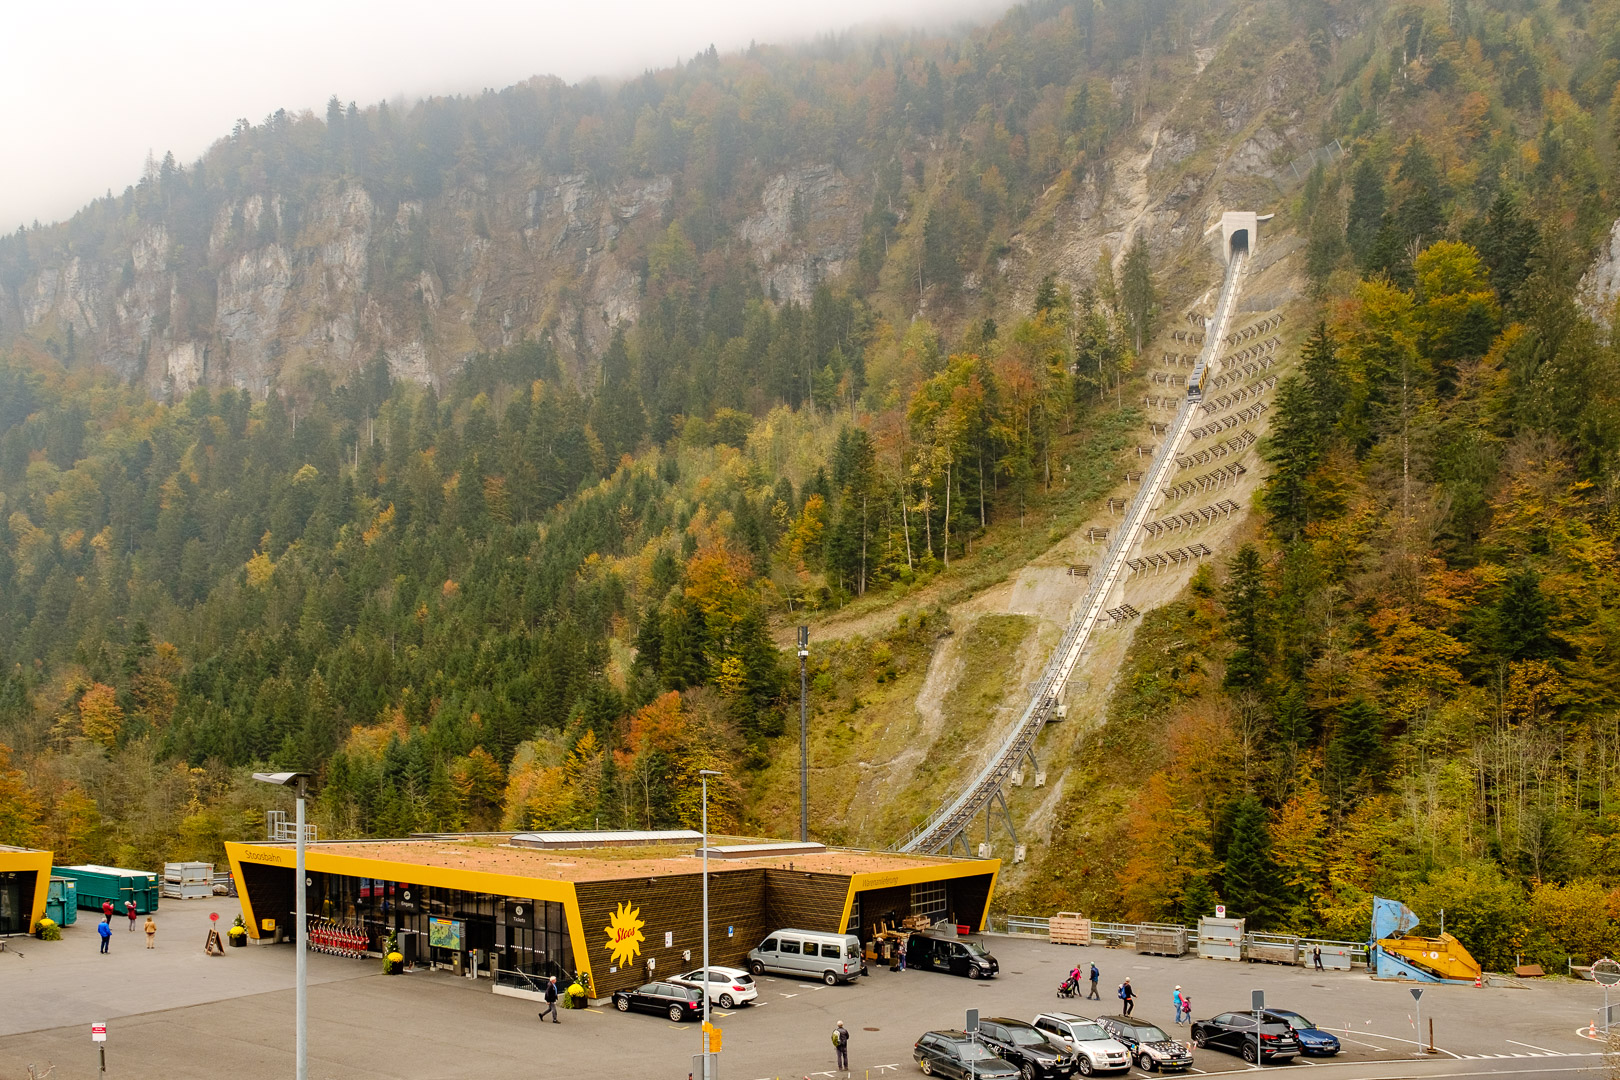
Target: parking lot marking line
x,y
1396,1038
1543,1049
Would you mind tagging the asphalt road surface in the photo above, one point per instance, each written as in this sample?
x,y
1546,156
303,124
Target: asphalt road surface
x,y
176,1014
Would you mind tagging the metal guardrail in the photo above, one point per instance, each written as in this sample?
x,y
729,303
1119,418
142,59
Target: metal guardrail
x,y
943,828
1115,934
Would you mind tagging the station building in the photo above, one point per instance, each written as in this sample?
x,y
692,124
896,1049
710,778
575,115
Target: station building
x,y
616,906
25,881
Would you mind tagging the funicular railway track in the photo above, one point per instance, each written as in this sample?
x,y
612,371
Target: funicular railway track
x,y
950,823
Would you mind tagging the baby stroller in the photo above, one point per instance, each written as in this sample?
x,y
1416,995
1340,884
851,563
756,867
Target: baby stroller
x,y
1070,987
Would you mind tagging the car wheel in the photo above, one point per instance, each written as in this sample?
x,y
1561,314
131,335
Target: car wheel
x,y
973,972
830,978
726,1002
1248,1051
756,968
926,1066
1085,1066
676,1013
622,1003
1146,1063
1027,1071
1200,1040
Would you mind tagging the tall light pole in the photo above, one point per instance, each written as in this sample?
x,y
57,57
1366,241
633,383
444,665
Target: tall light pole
x,y
298,780
703,774
804,740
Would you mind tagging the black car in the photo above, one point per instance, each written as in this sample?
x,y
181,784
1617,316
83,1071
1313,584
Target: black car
x,y
930,952
1234,1033
1313,1041
1026,1047
1148,1044
674,1000
958,1054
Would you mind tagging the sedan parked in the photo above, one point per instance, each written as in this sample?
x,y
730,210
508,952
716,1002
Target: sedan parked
x,y
1235,1033
1313,1041
728,987
674,1000
1148,1044
957,1054
1093,1049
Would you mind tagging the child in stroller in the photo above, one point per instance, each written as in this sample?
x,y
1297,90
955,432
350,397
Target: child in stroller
x,y
1071,985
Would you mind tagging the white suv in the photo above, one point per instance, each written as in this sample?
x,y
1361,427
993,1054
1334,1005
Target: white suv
x,y
727,987
1093,1048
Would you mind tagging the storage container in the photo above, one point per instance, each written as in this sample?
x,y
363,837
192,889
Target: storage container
x,y
1068,928
1220,939
1161,939
98,884
62,902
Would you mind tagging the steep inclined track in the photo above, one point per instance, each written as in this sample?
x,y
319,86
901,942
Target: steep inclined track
x,y
940,831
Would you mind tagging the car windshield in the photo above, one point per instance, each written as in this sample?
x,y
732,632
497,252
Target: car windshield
x,y
1089,1033
975,948
1026,1036
1149,1033
973,1052
1298,1021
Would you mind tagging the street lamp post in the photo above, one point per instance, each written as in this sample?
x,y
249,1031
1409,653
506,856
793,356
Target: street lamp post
x,y
804,740
704,775
298,780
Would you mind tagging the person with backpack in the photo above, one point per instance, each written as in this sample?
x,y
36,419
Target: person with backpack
x,y
1095,975
840,1040
1127,997
551,1001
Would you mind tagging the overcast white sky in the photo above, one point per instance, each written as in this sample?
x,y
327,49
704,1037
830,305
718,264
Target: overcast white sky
x,y
88,88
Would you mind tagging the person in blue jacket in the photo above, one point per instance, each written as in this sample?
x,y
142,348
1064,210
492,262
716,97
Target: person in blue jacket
x,y
104,928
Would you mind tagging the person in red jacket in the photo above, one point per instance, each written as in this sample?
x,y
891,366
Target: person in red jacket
x,y
107,909
129,909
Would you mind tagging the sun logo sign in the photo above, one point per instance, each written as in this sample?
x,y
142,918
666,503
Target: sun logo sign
x,y
624,936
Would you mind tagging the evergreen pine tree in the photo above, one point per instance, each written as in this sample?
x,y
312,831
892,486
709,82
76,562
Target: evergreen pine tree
x,y
1136,291
1355,752
1249,881
1245,600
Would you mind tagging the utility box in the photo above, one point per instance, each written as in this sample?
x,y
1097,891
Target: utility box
x,y
1068,928
62,902
1220,939
1161,939
98,884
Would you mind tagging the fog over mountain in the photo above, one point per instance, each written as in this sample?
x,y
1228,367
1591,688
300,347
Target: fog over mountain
x,y
98,86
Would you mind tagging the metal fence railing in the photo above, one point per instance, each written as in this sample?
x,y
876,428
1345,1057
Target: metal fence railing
x,y
1124,935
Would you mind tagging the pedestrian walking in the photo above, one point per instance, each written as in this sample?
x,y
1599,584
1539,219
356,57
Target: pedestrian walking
x,y
129,909
551,1001
104,928
902,955
1127,997
1095,975
1186,1007
151,932
1175,1002
840,1038
1316,958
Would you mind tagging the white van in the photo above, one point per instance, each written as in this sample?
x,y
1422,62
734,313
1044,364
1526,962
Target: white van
x,y
832,958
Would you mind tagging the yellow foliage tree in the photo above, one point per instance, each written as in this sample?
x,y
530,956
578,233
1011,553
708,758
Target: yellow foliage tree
x,y
20,809
101,719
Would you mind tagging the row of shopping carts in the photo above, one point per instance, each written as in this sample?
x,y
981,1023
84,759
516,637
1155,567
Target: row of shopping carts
x,y
337,938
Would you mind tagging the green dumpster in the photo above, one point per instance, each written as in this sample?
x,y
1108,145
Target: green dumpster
x,y
98,884
62,902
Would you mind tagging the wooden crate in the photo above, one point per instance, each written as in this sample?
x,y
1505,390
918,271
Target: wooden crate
x,y
916,922
1068,928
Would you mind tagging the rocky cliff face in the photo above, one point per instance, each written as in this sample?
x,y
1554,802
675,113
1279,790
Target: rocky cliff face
x,y
334,279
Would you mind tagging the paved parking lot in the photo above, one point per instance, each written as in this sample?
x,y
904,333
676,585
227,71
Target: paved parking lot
x,y
178,1014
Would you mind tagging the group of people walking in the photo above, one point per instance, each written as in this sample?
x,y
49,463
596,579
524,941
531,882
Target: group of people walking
x,y
104,929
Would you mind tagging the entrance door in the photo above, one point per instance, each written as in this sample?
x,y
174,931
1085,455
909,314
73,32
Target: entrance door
x,y
13,919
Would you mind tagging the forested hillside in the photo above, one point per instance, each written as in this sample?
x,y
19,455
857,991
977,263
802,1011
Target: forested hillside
x,y
475,456
1407,683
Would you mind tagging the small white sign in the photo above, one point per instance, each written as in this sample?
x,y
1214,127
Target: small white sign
x,y
98,1032
1220,911
669,939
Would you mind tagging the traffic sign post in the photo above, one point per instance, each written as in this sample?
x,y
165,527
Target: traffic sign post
x,y
98,1035
1417,999
1606,973
1257,1002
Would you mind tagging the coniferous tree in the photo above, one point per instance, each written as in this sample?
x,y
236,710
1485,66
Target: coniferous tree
x,y
1246,618
1249,878
1136,291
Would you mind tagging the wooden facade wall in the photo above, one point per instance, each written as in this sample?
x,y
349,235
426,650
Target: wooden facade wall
x,y
673,905
795,899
